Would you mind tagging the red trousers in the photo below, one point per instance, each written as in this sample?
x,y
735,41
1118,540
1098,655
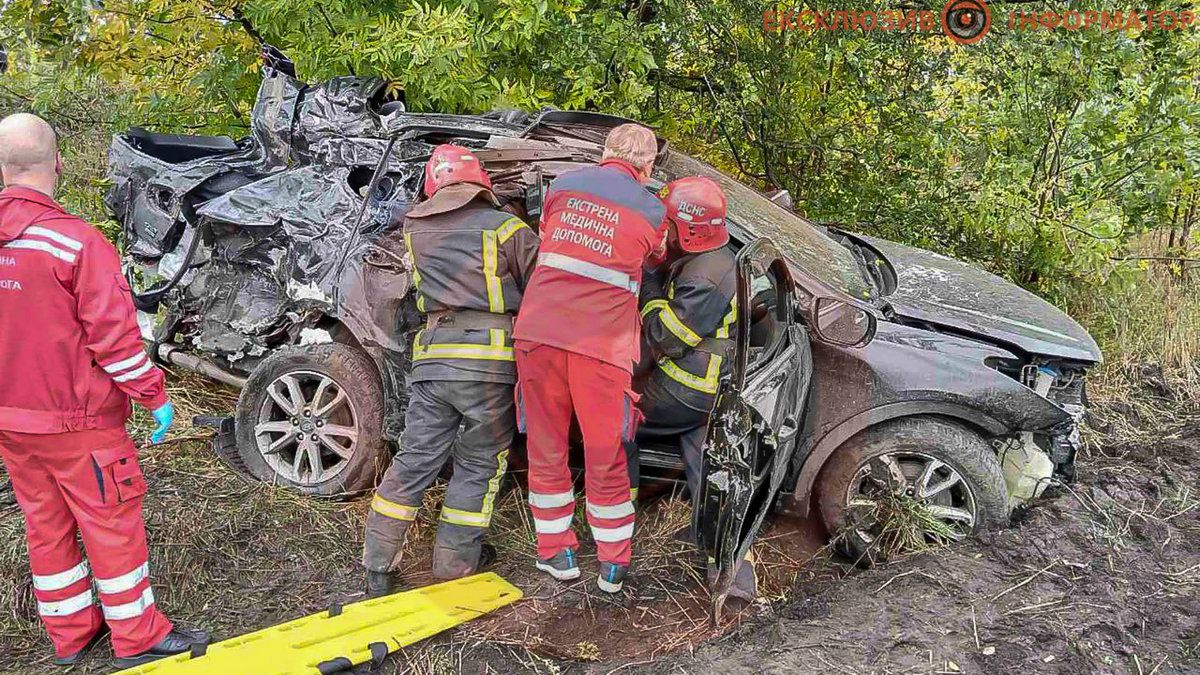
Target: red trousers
x,y
90,483
555,383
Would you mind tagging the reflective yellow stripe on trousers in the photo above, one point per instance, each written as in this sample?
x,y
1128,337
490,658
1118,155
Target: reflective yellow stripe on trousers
x,y
481,518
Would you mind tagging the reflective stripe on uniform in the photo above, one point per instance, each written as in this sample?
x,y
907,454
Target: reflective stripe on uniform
x,y
553,525
493,487
678,328
611,534
496,350
491,262
126,364
730,318
68,606
39,231
508,228
121,370
467,518
657,303
633,493
44,246
590,270
707,384
129,610
614,511
125,582
416,274
133,374
550,501
712,376
393,510
57,582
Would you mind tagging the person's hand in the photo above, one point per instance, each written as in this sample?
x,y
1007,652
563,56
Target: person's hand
x,y
165,416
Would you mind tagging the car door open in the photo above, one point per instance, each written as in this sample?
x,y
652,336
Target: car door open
x,y
759,409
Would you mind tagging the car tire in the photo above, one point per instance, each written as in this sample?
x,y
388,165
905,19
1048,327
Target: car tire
x,y
341,404
904,449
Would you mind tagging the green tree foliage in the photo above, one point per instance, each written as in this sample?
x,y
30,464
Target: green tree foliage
x,y
1041,154
1044,155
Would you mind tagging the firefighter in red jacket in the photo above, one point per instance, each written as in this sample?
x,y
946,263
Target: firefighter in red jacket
x,y
471,263
577,336
688,323
71,360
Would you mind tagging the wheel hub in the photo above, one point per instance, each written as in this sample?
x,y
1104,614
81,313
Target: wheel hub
x,y
307,428
932,493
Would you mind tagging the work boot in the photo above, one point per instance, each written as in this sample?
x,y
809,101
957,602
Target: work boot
x,y
449,564
612,577
72,659
177,641
380,584
487,557
562,566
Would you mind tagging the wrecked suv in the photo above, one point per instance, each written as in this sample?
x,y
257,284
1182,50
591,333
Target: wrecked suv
x,y
867,372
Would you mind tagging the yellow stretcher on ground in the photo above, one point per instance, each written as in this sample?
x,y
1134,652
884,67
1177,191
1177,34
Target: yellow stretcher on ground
x,y
345,636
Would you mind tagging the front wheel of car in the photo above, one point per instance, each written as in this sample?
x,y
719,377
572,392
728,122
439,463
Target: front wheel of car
x,y
908,485
311,418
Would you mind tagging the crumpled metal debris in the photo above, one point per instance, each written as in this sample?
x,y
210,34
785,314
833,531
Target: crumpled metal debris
x,y
274,213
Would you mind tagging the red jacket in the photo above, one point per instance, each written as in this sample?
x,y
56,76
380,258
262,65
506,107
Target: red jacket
x,y
71,354
598,226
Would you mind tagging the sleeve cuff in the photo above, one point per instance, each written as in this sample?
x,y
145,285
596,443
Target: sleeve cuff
x,y
154,403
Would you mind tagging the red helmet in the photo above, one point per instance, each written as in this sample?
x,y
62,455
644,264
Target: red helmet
x,y
696,209
450,164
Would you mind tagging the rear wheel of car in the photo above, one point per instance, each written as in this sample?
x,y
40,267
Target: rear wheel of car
x,y
311,418
909,484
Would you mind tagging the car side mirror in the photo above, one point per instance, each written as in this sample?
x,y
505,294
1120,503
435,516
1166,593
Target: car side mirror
x,y
841,323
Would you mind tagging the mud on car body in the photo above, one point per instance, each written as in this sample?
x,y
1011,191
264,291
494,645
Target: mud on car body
x,y
867,370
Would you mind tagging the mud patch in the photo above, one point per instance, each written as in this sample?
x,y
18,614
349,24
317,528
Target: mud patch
x,y
1100,577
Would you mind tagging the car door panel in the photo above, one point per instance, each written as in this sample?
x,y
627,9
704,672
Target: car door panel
x,y
756,419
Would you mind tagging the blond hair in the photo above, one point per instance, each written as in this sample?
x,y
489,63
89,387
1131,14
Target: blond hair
x,y
633,143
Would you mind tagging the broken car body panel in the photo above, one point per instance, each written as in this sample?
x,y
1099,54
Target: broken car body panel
x,y
260,243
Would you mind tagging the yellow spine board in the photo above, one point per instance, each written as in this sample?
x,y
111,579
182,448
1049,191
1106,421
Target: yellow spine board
x,y
296,647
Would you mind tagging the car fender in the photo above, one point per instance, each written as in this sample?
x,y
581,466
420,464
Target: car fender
x,y
813,460
907,371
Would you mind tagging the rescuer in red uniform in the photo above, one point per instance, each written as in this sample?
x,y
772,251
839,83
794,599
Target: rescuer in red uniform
x,y
576,338
71,358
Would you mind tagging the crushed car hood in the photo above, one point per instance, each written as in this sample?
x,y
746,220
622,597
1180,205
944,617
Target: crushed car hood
x,y
944,291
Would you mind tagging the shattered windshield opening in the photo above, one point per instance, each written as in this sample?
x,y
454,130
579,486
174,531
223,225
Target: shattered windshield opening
x,y
801,242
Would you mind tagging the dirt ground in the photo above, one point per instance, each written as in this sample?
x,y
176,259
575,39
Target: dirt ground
x,y
1102,576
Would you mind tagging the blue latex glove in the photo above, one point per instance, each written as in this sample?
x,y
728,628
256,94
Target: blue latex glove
x,y
165,416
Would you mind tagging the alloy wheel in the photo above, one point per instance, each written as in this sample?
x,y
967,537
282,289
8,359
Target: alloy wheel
x,y
307,428
943,500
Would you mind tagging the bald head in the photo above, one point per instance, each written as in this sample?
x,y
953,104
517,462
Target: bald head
x,y
28,151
